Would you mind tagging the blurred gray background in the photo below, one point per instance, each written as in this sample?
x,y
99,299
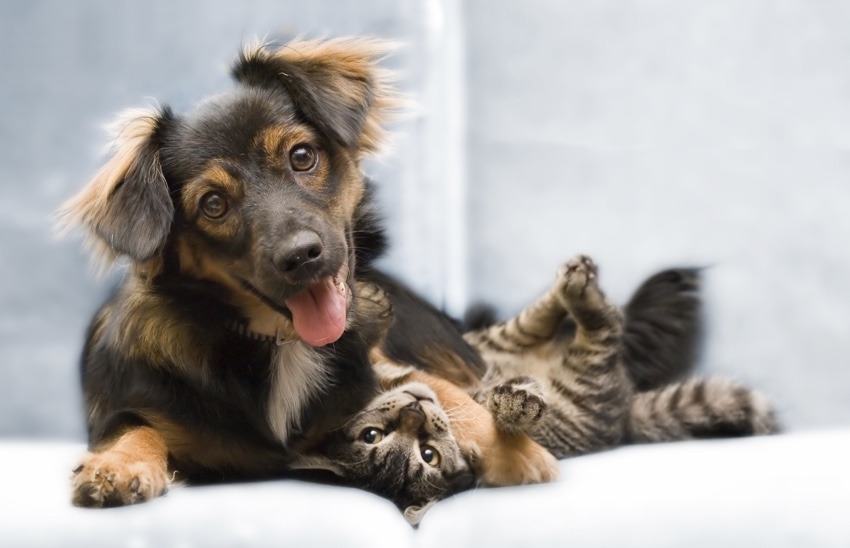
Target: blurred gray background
x,y
644,133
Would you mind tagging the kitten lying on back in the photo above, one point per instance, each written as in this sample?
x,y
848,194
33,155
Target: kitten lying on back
x,y
574,394
558,378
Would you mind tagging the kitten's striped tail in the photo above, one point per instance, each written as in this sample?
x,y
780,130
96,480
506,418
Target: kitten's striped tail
x,y
699,408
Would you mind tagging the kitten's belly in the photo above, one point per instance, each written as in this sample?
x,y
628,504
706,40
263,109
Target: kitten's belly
x,y
536,362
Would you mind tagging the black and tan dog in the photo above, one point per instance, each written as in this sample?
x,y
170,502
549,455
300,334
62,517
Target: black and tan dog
x,y
243,221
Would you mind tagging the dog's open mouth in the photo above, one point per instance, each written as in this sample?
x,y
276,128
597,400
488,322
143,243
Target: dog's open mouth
x,y
319,312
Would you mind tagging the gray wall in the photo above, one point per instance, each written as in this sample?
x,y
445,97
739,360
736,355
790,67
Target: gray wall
x,y
646,134
657,133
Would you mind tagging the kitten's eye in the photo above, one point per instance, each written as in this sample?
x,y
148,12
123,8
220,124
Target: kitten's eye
x,y
372,435
303,157
430,455
214,205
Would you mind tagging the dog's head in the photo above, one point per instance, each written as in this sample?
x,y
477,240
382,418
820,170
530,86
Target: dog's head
x,y
256,189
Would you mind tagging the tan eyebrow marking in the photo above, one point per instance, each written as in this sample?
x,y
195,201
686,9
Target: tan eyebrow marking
x,y
215,177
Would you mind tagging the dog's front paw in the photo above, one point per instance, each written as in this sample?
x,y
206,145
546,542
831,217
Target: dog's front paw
x,y
517,405
114,478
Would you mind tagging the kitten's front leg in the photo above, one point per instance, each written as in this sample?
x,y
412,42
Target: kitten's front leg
x,y
373,313
534,325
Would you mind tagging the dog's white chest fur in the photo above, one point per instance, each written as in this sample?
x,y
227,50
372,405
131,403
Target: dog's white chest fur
x,y
298,374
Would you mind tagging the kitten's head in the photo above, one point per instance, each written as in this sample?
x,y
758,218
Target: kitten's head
x,y
400,447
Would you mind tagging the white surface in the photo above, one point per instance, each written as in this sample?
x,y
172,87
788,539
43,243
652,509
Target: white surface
x,y
36,511
789,490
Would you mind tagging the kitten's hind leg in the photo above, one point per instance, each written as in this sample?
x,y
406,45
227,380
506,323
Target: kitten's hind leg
x,y
578,290
586,387
534,325
517,405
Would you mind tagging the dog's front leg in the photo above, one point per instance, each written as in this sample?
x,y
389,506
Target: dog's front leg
x,y
131,469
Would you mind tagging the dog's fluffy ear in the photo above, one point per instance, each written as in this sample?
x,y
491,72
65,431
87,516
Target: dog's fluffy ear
x,y
126,207
337,85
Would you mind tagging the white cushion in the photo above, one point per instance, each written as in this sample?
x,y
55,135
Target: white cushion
x,y
787,490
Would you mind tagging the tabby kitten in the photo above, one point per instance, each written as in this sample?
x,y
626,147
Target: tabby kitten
x,y
558,378
573,393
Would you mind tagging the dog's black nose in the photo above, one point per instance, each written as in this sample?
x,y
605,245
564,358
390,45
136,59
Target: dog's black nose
x,y
300,249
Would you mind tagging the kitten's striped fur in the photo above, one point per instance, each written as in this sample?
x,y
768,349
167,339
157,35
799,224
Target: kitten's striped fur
x,y
559,377
574,395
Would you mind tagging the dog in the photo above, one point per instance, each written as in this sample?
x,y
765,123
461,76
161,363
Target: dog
x,y
243,223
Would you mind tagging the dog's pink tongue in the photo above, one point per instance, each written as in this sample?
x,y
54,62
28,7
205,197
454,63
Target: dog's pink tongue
x,y
318,313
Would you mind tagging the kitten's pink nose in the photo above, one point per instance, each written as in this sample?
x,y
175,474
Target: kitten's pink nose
x,y
411,418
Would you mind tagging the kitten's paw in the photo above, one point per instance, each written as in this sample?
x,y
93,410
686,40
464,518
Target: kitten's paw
x,y
577,277
113,478
577,285
374,299
517,405
374,312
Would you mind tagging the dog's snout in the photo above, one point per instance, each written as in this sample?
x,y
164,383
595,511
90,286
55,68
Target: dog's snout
x,y
301,249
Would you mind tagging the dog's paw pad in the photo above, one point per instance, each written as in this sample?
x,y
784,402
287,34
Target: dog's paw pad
x,y
113,479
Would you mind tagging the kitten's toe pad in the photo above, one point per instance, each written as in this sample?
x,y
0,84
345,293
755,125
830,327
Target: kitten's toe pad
x,y
516,406
577,285
577,275
375,299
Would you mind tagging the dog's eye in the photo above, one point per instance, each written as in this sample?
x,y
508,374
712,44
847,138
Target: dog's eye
x,y
430,455
372,435
303,157
214,205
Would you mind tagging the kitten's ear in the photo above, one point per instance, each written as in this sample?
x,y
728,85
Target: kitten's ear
x,y
317,462
126,207
413,513
338,85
